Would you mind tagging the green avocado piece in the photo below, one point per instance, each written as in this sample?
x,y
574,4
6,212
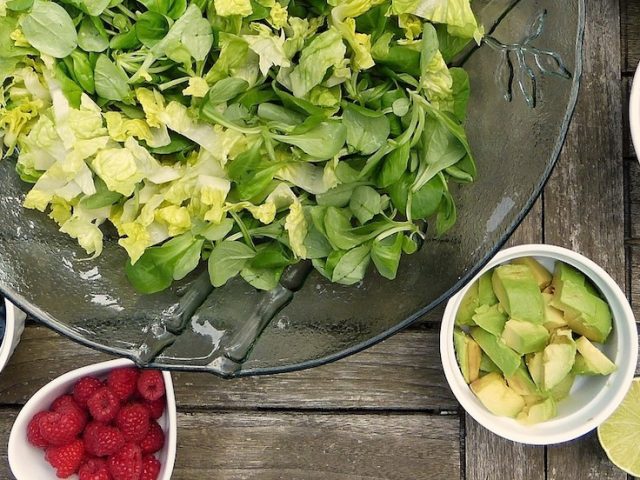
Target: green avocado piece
x,y
553,318
485,290
558,358
524,337
564,272
522,383
562,389
468,306
487,365
535,367
585,313
542,275
491,318
497,396
506,359
518,293
538,412
590,360
468,354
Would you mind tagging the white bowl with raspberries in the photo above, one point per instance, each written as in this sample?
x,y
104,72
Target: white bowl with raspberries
x,y
108,421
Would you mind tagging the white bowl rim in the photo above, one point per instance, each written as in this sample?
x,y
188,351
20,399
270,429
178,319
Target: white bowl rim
x,y
634,112
565,433
25,415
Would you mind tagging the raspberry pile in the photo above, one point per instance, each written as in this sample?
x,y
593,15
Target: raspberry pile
x,y
105,429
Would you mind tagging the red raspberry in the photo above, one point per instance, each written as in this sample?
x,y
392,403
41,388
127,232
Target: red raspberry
x,y
156,407
126,464
150,468
33,431
66,459
84,389
123,382
133,421
103,405
151,384
66,404
60,428
154,440
94,469
102,440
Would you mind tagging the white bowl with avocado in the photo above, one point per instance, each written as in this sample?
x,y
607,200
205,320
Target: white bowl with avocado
x,y
541,346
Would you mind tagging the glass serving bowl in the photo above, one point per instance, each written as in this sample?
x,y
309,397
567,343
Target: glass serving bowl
x,y
524,81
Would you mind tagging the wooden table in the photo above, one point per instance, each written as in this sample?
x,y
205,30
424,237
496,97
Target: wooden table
x,y
387,413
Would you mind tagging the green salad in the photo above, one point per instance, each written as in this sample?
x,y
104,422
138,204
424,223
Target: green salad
x,y
251,134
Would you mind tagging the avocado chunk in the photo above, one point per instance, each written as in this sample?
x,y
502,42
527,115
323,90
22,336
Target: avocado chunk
x,y
506,359
542,275
585,313
535,367
564,272
468,306
490,318
590,360
553,318
558,358
518,293
497,396
562,389
522,383
468,354
485,290
487,365
524,337
538,412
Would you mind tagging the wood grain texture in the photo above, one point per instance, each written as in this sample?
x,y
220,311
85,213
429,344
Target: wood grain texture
x,y
630,34
402,373
252,446
585,198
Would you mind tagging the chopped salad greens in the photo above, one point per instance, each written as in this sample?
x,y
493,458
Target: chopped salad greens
x,y
248,133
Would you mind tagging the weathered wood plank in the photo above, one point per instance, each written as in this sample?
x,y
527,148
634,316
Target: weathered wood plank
x,y
270,446
630,34
632,174
582,459
627,145
491,457
341,447
584,198
403,373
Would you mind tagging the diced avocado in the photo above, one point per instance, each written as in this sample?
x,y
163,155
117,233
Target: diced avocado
x,y
564,272
496,396
584,312
535,367
538,412
558,358
522,384
485,290
524,337
506,359
591,361
518,293
468,354
553,318
487,365
468,306
542,275
562,389
491,318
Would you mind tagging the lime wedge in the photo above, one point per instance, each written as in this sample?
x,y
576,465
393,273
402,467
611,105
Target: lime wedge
x,y
620,433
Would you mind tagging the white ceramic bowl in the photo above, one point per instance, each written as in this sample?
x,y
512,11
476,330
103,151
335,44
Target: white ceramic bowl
x,y
634,112
27,462
14,326
592,399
